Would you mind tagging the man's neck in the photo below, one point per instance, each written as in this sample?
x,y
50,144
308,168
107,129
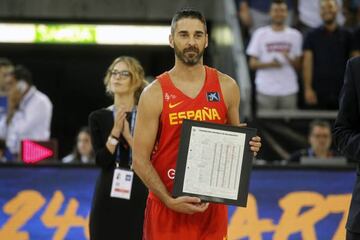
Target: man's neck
x,y
278,27
187,72
321,153
331,27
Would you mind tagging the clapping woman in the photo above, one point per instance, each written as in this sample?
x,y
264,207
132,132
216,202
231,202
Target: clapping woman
x,y
119,199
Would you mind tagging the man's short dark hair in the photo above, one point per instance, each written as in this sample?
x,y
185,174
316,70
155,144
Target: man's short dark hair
x,y
319,123
22,73
4,62
187,13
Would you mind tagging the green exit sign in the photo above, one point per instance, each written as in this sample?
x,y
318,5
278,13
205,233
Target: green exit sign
x,y
65,33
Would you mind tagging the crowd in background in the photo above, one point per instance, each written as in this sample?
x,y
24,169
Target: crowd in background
x,y
297,53
299,49
21,103
26,114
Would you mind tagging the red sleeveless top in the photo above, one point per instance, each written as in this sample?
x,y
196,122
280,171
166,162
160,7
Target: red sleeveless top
x,y
208,106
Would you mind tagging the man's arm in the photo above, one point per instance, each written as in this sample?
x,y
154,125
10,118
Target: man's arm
x,y
294,62
310,95
231,93
346,129
255,63
146,130
254,52
295,58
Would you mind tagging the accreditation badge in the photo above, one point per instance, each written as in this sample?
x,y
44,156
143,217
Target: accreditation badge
x,y
122,183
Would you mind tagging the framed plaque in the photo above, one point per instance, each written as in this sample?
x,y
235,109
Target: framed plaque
x,y
214,162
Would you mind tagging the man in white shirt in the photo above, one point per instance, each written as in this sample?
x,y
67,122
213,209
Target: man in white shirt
x,y
275,53
29,111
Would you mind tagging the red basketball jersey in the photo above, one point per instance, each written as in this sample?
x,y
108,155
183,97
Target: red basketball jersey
x,y
207,106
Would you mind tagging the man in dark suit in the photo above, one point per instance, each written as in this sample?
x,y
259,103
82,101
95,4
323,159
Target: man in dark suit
x,y
347,137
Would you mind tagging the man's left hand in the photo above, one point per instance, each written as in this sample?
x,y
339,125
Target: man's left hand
x,y
255,145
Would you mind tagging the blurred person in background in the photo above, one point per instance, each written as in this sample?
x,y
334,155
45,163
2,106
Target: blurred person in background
x,y
6,67
308,14
352,13
83,150
347,137
114,217
2,151
326,50
29,111
320,142
275,53
254,14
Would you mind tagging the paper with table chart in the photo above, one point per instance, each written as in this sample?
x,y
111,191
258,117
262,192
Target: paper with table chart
x,y
214,162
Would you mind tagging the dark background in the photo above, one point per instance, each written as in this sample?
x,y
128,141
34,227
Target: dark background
x,y
72,77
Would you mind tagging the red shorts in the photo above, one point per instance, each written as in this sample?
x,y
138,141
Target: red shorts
x,y
161,223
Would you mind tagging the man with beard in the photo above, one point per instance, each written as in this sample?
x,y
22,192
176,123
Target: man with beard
x,y
275,53
193,91
326,50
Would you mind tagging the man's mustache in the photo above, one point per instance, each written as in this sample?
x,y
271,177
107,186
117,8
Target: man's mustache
x,y
191,49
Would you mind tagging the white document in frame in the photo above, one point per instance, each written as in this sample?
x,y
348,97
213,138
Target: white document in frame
x,y
214,163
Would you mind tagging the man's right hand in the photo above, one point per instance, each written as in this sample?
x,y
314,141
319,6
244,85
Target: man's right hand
x,y
275,64
14,97
310,96
188,205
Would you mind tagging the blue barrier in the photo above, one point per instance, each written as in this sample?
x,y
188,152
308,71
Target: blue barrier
x,y
53,203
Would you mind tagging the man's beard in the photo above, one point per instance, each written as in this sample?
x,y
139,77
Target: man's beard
x,y
278,22
190,61
330,21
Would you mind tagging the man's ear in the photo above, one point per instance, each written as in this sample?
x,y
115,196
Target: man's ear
x,y
171,41
206,40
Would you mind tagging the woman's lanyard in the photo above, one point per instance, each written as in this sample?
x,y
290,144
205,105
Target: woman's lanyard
x,y
132,126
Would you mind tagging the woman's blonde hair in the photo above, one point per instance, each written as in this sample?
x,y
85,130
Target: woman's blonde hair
x,y
137,82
